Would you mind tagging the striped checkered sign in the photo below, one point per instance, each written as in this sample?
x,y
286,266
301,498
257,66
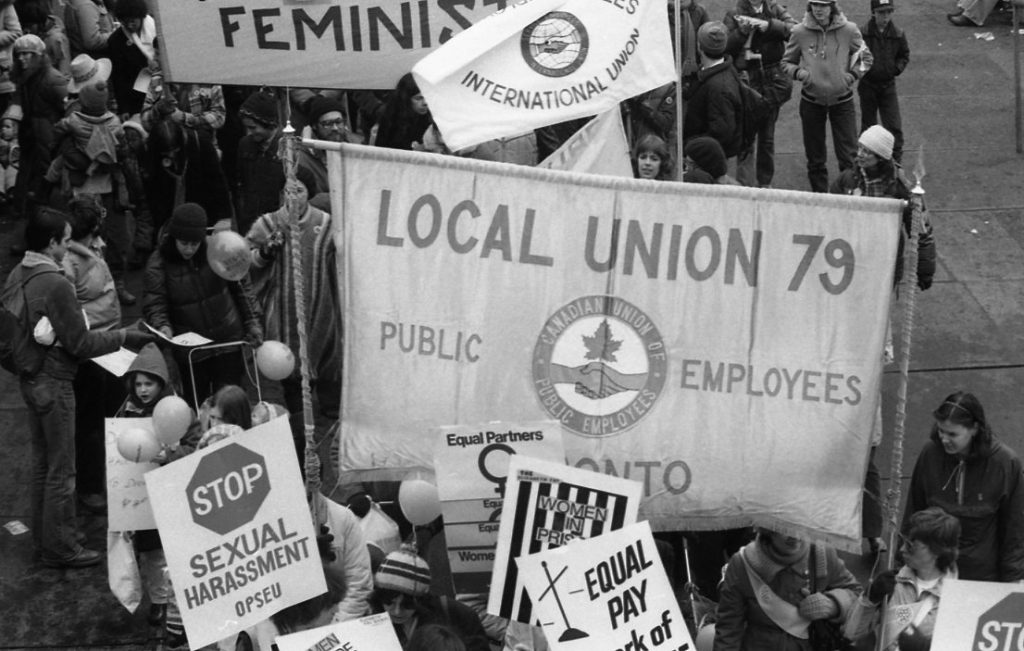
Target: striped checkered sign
x,y
548,505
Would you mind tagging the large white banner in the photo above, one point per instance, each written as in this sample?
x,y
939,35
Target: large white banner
x,y
300,43
237,532
722,345
540,62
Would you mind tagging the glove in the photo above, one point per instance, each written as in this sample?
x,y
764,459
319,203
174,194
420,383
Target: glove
x,y
882,586
273,244
818,606
136,339
254,336
802,74
912,639
323,545
850,79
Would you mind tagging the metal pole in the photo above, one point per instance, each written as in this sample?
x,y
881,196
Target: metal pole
x,y
1018,6
679,91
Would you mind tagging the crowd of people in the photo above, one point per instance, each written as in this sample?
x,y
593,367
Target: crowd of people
x,y
113,168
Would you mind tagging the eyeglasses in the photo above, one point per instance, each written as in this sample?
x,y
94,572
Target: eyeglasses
x,y
337,123
909,544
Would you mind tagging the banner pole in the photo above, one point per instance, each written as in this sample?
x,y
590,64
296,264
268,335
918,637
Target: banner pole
x,y
679,90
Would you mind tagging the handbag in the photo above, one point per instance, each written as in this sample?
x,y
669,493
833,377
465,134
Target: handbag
x,y
823,634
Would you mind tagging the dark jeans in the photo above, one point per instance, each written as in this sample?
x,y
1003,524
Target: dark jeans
x,y
843,119
51,422
764,155
98,394
881,104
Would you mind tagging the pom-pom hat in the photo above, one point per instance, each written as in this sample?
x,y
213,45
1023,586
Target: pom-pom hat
x,y
404,572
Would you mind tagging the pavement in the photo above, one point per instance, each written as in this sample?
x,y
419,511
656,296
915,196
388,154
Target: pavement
x,y
957,99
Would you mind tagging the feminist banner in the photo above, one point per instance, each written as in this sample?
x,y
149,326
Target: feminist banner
x,y
722,345
306,43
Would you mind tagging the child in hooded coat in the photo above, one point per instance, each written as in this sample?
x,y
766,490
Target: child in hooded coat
x,y
148,383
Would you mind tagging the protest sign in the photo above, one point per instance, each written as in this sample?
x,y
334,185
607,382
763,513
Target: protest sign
x,y
548,505
471,466
128,507
722,345
979,615
373,633
305,43
237,532
600,147
542,62
611,591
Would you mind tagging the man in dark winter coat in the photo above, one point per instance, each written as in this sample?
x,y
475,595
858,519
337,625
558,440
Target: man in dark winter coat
x,y
48,393
260,172
715,106
758,31
877,90
184,294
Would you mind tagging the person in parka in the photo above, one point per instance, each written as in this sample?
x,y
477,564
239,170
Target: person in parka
x,y
184,294
715,107
766,602
965,470
826,53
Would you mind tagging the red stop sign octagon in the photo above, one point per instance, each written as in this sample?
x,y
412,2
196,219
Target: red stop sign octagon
x,y
228,488
1001,627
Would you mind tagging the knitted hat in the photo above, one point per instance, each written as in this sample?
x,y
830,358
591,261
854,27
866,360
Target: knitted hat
x,y
13,112
188,223
135,122
94,97
878,141
29,43
712,38
320,105
261,106
403,571
708,154
881,4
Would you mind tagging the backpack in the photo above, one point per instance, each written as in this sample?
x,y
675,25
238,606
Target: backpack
x,y
19,352
756,111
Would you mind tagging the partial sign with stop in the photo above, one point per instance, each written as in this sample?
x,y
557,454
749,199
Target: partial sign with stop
x,y
239,542
980,616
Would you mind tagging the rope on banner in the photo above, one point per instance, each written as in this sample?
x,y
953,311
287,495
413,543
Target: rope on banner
x,y
311,463
895,492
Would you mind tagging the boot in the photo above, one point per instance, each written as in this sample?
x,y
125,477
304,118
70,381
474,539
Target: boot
x,y
123,295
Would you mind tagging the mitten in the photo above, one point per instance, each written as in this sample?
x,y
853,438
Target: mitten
x,y
912,639
882,586
818,606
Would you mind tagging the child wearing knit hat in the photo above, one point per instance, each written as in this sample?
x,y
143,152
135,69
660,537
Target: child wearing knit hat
x,y
402,590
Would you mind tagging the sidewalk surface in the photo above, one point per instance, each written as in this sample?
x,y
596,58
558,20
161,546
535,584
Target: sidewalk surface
x,y
958,109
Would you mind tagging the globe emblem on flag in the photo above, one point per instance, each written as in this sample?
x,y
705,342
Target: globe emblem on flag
x,y
599,365
555,45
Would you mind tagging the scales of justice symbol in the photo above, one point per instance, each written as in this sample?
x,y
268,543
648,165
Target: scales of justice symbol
x,y
570,633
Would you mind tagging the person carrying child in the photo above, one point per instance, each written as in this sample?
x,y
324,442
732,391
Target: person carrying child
x,y
148,383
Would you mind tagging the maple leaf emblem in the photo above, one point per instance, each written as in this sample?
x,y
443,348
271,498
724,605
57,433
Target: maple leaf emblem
x,y
601,345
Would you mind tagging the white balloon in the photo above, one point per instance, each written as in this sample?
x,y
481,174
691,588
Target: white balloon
x,y
138,445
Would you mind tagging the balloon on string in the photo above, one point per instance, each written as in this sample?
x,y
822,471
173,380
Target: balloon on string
x,y
705,638
228,254
138,445
418,501
275,360
171,418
